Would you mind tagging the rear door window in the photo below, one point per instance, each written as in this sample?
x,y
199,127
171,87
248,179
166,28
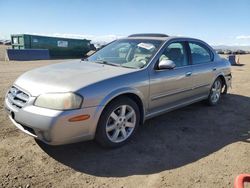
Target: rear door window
x,y
199,53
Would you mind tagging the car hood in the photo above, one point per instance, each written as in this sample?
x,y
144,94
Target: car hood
x,y
68,76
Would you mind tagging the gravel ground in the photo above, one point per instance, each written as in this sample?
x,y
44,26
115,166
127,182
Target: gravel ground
x,y
197,146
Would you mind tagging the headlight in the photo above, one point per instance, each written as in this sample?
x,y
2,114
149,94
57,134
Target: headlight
x,y
59,101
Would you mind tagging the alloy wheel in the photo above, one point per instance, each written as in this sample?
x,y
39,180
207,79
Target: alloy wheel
x,y
216,91
121,123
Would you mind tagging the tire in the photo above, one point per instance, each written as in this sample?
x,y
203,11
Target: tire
x,y
215,92
118,123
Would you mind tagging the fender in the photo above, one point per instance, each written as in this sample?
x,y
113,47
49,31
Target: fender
x,y
226,85
122,91
112,95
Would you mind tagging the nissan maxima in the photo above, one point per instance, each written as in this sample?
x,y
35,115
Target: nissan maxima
x,y
109,94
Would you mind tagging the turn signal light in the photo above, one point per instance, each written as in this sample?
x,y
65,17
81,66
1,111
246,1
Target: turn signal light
x,y
79,118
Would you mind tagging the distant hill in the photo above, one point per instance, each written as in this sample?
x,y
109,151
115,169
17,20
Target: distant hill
x,y
224,47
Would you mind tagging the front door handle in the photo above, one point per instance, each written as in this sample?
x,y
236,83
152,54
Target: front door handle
x,y
214,68
188,74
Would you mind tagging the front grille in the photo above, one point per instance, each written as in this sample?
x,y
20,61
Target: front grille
x,y
17,97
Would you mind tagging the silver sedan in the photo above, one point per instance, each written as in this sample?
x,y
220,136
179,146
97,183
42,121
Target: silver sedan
x,y
108,95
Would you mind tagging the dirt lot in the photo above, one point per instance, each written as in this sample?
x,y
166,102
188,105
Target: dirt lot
x,y
198,146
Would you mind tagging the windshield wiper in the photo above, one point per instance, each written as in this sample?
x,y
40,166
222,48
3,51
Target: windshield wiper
x,y
106,63
114,64
128,66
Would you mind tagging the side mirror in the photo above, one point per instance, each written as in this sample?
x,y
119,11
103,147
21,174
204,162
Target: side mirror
x,y
166,64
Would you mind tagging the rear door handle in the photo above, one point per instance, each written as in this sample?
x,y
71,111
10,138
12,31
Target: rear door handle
x,y
214,68
188,74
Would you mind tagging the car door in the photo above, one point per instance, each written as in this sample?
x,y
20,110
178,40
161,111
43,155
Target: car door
x,y
171,87
203,68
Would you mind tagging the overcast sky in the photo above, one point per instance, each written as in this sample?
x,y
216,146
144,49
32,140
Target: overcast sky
x,y
215,21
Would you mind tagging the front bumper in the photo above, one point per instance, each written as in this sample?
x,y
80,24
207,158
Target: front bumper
x,y
52,126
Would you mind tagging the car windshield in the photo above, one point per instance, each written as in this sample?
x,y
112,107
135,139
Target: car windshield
x,y
130,53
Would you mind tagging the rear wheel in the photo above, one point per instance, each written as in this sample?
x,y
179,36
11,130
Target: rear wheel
x,y
215,92
118,123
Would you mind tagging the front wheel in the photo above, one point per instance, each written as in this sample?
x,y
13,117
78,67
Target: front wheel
x,y
215,92
118,122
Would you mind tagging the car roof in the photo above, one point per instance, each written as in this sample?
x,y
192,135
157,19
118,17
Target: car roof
x,y
157,36
165,38
148,35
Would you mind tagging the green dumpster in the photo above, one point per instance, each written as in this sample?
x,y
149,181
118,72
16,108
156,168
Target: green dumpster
x,y
58,47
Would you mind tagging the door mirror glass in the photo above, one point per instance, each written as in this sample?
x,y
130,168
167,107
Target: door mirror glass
x,y
166,64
